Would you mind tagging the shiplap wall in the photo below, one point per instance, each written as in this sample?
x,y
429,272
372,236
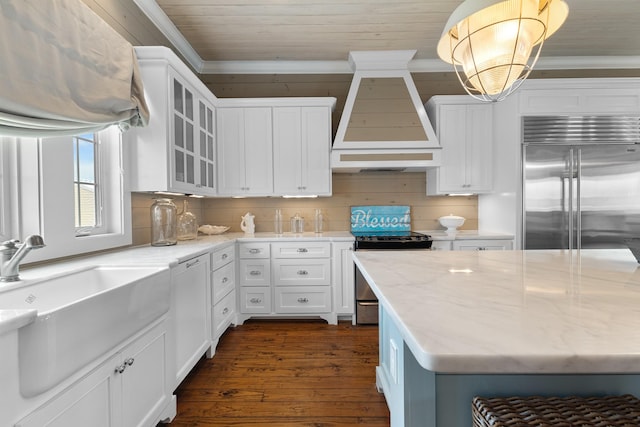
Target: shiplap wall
x,y
379,188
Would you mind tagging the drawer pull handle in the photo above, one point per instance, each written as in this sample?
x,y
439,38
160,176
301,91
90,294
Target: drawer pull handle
x,y
255,300
225,256
129,361
254,251
191,264
303,300
225,279
303,250
302,272
255,273
225,311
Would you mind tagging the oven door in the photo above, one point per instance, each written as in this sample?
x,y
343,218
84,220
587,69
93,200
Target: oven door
x,y
366,301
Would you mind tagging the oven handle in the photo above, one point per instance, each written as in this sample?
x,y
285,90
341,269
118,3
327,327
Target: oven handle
x,y
364,303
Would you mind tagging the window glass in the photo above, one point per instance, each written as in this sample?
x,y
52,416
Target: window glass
x,y
85,186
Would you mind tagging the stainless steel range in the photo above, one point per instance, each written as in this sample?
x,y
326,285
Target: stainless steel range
x,y
380,228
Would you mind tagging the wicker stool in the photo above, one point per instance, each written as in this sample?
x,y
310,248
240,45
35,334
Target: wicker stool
x,y
609,411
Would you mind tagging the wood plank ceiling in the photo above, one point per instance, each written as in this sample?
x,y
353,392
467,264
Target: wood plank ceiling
x,y
322,30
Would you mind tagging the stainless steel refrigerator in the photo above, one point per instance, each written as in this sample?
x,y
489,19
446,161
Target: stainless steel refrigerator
x,y
581,178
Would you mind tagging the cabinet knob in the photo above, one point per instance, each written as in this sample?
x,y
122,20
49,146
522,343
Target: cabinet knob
x,y
302,272
225,279
303,250
255,273
255,300
254,251
303,300
129,361
225,256
120,369
225,311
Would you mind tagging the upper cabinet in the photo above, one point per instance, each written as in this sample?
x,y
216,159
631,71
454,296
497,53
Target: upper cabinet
x,y
302,148
465,130
176,151
245,150
274,146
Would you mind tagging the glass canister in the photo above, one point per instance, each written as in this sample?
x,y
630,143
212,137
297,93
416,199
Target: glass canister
x,y
163,223
297,224
187,224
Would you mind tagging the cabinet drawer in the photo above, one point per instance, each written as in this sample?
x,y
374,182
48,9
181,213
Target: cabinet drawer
x,y
441,245
222,256
302,250
305,299
255,272
223,313
222,281
254,250
482,245
308,272
255,300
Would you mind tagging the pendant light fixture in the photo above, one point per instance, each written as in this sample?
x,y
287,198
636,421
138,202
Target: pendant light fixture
x,y
494,44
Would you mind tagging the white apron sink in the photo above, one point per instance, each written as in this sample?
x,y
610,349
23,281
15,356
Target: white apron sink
x,y
81,316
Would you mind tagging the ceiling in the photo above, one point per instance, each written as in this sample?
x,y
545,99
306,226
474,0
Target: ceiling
x,y
316,36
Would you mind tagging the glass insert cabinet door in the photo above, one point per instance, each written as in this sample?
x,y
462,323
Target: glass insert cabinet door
x,y
183,122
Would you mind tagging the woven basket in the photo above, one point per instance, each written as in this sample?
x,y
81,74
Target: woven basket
x,y
608,411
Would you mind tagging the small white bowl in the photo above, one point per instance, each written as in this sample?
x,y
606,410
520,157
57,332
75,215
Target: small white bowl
x,y
212,229
451,222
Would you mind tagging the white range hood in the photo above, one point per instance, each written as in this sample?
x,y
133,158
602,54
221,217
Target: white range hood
x,y
384,125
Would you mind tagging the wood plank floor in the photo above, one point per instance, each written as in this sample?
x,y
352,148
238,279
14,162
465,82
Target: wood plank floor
x,y
286,374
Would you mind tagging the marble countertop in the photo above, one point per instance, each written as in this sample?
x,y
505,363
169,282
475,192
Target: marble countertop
x,y
512,311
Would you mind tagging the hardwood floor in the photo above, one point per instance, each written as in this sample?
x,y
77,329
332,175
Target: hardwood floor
x,y
286,374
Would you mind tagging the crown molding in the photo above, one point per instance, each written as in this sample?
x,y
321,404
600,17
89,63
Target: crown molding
x,y
171,32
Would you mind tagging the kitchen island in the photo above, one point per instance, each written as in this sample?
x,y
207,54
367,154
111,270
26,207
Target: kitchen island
x,y
454,325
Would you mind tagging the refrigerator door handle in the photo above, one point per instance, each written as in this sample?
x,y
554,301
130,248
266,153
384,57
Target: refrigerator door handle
x,y
569,202
577,208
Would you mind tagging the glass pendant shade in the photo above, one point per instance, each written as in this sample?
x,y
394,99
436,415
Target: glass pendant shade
x,y
494,45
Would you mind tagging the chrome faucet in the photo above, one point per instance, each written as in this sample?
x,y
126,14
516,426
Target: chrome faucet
x,y
12,252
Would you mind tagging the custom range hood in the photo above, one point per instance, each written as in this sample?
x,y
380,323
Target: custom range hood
x,y
384,126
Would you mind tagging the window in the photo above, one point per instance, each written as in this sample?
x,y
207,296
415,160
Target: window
x,y
87,187
72,191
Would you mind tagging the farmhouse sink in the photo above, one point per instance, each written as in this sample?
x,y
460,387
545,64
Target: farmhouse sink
x,y
81,316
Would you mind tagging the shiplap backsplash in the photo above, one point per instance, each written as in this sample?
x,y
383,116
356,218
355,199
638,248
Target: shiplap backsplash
x,y
380,188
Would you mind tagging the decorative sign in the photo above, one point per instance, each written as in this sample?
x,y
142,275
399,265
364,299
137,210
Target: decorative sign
x,y
380,218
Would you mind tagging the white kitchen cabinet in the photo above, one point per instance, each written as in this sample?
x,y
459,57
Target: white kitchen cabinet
x,y
245,151
465,131
343,278
482,245
191,313
130,389
286,278
223,295
441,245
176,150
302,149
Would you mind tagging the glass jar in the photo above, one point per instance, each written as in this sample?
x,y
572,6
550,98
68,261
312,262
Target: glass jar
x,y
163,223
297,224
187,224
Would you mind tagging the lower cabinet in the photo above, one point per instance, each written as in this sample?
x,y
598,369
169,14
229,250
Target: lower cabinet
x,y
192,313
482,245
286,278
130,389
223,293
343,279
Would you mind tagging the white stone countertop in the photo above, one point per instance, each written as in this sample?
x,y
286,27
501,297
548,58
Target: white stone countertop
x,y
512,311
11,319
